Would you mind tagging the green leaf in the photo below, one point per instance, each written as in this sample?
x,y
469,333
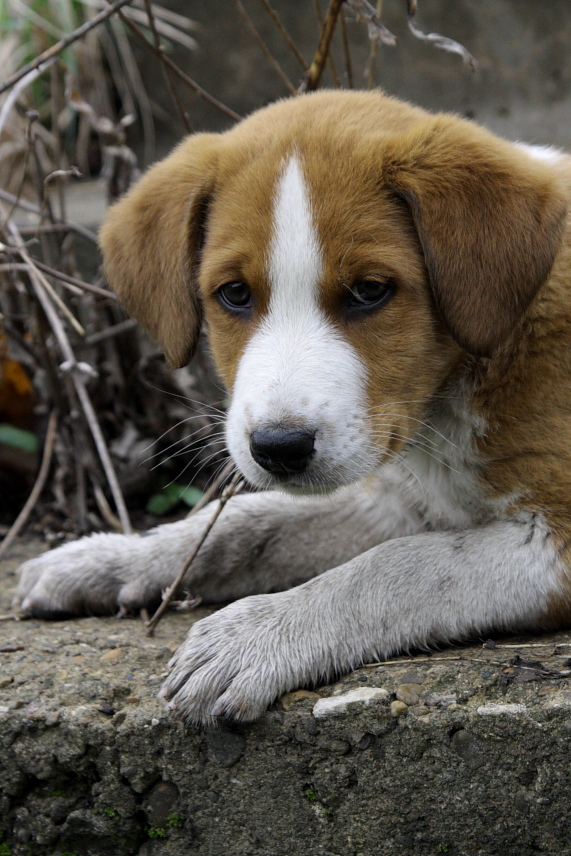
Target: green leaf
x,y
18,438
169,497
191,495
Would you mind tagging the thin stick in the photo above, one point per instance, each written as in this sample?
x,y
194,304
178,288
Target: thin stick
x,y
165,68
208,494
319,16
530,645
313,76
266,51
287,38
31,119
48,228
19,86
77,377
55,50
24,514
174,67
54,295
79,284
405,662
233,488
373,50
111,332
346,51
105,508
19,203
66,312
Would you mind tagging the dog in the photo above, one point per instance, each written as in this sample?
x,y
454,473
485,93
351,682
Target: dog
x,y
387,295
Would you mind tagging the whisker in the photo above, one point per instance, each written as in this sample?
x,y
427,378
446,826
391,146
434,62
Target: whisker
x,y
182,398
422,422
213,439
180,440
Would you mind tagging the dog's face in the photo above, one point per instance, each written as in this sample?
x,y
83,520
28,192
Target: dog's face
x,y
323,298
346,251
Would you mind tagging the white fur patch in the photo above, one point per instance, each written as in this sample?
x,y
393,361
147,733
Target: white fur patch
x,y
295,256
298,371
547,154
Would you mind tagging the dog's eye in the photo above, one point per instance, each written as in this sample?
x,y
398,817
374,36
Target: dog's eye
x,y
235,295
370,293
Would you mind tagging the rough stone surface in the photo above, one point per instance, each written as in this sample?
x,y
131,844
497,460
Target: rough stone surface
x,y
91,764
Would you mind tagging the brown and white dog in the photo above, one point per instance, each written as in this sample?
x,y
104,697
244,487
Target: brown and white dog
x,y
388,299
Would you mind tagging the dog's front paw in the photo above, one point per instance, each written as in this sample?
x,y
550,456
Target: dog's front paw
x,y
236,662
97,575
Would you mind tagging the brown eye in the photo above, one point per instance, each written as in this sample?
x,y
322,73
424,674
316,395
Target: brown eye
x,y
235,296
369,294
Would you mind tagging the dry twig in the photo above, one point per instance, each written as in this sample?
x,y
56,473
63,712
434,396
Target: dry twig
x,y
287,38
206,96
27,509
313,77
346,51
47,57
233,488
213,489
265,49
78,373
166,71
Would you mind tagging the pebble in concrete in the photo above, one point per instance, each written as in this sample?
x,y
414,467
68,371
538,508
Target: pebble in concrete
x,y
337,705
409,693
398,708
494,709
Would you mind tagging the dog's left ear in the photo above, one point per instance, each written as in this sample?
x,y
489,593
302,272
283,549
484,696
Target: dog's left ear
x,y
151,240
489,219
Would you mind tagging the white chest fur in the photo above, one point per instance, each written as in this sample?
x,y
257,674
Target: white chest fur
x,y
438,469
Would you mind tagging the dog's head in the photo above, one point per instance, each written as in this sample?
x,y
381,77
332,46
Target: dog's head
x,y
346,251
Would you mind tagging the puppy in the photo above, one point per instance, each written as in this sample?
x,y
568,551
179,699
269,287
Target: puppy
x,y
388,298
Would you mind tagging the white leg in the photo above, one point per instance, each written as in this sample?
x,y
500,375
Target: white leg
x,y
262,542
411,591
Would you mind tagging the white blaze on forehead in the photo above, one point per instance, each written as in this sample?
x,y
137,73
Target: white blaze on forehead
x,y
295,256
297,369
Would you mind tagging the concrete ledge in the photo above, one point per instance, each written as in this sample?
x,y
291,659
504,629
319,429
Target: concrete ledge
x,y
464,752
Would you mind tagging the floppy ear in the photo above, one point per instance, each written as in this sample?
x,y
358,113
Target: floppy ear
x,y
489,219
151,240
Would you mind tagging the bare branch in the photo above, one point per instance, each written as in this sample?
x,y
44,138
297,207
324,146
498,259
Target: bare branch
x,y
47,56
346,51
265,49
315,71
184,77
24,514
74,281
233,488
166,71
287,38
77,374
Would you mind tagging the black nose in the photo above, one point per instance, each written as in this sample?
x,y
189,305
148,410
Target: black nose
x,y
282,450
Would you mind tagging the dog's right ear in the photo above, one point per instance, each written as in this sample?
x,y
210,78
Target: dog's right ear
x,y
151,240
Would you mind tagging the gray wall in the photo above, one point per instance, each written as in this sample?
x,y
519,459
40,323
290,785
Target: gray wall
x,y
522,89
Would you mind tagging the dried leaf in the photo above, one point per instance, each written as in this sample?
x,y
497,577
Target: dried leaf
x,y
520,671
365,12
441,42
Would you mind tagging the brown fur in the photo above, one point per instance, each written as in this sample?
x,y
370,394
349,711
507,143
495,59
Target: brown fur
x,y
467,225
